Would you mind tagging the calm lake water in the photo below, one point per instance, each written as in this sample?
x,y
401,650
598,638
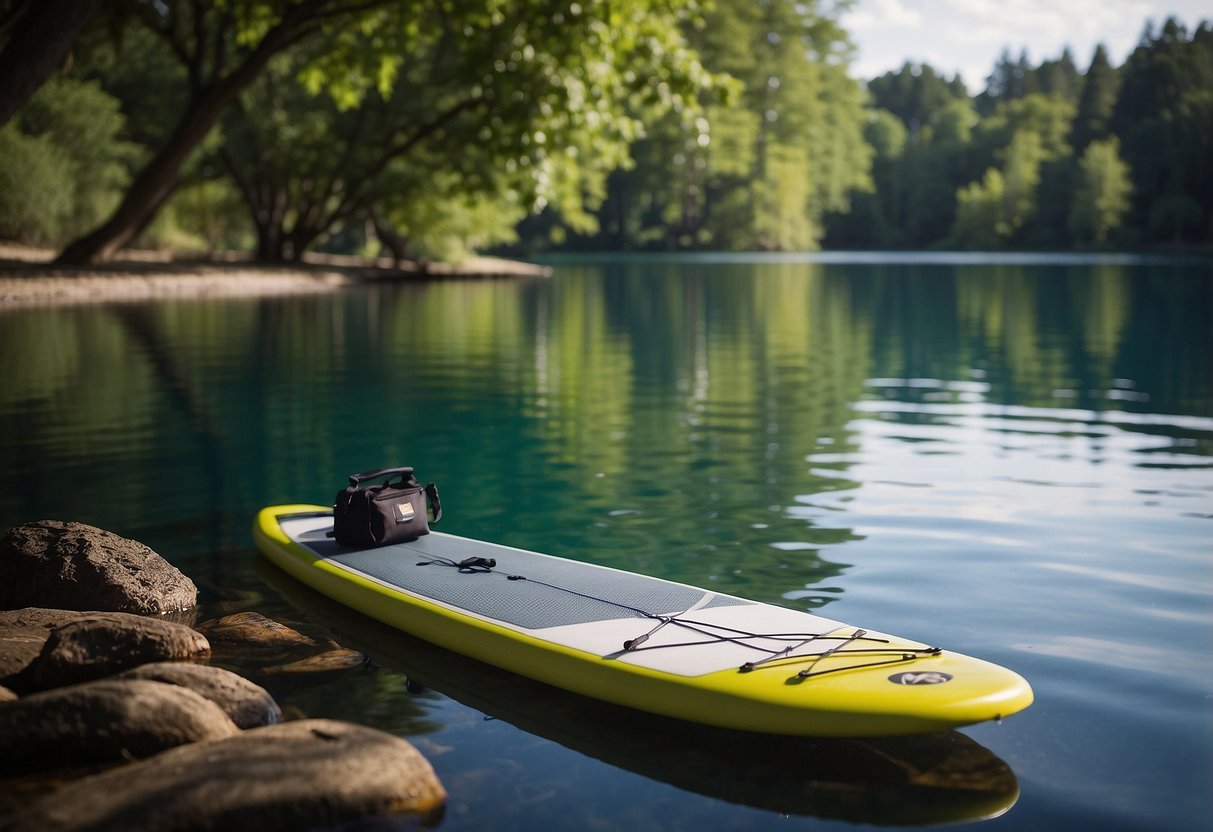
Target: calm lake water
x,y
1012,458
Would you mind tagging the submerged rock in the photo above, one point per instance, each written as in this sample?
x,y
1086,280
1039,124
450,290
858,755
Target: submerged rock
x,y
95,645
246,704
336,660
6,695
309,774
264,647
51,563
251,632
106,720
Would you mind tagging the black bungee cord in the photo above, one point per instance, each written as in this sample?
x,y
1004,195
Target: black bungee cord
x,y
717,633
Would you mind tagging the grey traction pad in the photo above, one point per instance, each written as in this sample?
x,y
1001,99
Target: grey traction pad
x,y
556,591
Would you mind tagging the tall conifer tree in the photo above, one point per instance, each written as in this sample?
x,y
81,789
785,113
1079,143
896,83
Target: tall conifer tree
x,y
1095,105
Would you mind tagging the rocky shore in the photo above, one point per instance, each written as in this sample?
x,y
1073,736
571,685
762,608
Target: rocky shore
x,y
29,278
114,713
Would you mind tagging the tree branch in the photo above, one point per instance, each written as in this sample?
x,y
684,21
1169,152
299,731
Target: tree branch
x,y
41,37
156,181
200,44
355,197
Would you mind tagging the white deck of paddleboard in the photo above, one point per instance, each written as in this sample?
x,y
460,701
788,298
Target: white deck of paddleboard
x,y
579,605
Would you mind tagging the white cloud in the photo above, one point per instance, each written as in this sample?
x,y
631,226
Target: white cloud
x,y
878,13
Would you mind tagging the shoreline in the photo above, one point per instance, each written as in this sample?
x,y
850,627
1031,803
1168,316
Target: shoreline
x,y
28,278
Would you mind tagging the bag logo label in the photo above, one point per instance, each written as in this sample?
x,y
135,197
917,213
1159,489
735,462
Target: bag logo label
x,y
929,677
404,512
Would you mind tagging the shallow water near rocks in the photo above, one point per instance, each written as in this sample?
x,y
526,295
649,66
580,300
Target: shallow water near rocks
x,y
1008,457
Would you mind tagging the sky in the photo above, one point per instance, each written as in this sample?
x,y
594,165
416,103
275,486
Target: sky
x,y
967,36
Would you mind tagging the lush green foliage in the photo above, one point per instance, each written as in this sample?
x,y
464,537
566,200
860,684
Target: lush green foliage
x,y
1045,156
1101,195
63,162
761,170
433,128
493,114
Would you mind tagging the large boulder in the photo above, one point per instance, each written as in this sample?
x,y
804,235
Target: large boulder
x,y
107,720
41,649
309,774
100,645
246,704
51,563
23,633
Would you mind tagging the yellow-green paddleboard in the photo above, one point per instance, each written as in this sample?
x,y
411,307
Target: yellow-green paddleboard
x,y
642,642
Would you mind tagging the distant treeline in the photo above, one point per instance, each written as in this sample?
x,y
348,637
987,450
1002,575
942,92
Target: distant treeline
x,y
431,128
1046,156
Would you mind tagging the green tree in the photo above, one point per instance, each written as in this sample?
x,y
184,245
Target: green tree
x,y
840,156
1007,81
223,48
64,162
873,219
1024,139
1099,90
87,123
1048,116
512,108
981,213
887,134
762,170
915,184
358,50
1020,176
1021,171
990,214
1101,199
933,169
205,215
450,224
916,94
35,187
1164,120
779,219
1058,76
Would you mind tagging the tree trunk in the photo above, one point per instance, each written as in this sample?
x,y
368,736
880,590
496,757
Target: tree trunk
x,y
269,243
39,41
150,189
156,181
393,242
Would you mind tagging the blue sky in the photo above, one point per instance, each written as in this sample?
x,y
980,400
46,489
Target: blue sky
x,y
967,36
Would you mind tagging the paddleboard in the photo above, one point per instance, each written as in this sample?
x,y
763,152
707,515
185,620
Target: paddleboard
x,y
645,643
918,780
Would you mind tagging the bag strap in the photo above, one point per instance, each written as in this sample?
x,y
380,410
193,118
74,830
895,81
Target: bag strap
x,y
431,491
378,473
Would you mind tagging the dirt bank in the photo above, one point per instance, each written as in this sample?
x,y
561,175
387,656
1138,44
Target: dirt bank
x,y
28,277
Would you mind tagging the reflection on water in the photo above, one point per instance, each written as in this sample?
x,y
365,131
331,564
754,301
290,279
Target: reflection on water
x,y
1012,457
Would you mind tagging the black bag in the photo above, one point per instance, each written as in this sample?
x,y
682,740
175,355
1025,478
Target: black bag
x,y
392,512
